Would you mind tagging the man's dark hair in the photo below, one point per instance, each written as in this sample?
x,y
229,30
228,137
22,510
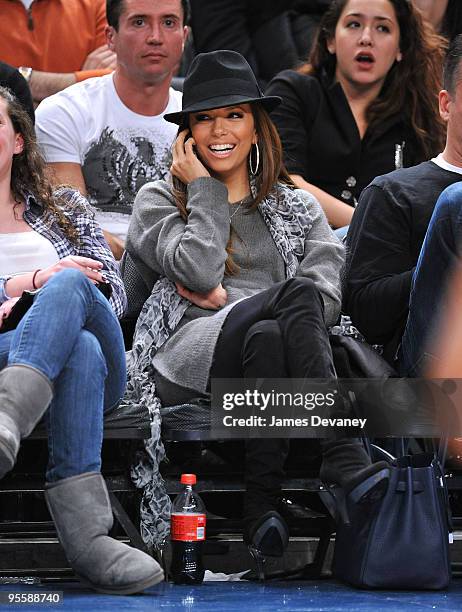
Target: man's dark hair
x,y
114,9
451,71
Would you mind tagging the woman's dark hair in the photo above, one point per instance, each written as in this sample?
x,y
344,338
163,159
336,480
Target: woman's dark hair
x,y
411,86
271,170
29,173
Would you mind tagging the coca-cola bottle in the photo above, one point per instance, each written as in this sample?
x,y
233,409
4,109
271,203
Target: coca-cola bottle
x,y
187,532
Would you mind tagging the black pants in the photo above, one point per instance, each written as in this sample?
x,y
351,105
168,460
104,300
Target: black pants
x,y
278,333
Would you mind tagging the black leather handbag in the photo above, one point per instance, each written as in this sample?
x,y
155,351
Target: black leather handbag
x,y
401,541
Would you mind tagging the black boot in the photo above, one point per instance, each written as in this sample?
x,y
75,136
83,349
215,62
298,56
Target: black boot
x,y
348,474
346,463
264,528
265,531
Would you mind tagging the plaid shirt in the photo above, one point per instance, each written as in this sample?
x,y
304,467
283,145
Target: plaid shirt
x,y
91,242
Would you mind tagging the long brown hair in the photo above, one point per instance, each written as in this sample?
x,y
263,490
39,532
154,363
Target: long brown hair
x,y
411,85
29,173
271,171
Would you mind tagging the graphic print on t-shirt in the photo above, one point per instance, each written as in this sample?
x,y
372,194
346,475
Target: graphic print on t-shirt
x,y
120,162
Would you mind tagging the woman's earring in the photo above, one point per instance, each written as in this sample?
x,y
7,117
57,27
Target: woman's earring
x,y
253,171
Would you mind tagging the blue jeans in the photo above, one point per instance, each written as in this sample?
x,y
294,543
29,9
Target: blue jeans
x,y
72,336
439,253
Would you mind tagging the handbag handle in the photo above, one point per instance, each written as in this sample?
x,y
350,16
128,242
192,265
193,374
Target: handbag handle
x,y
417,486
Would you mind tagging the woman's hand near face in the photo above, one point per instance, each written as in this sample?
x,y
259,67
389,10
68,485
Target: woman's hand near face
x,y
213,300
186,166
6,308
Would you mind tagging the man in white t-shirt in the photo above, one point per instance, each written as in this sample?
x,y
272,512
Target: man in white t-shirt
x,y
107,135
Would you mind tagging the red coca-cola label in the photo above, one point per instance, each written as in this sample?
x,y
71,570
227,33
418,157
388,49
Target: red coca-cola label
x,y
187,527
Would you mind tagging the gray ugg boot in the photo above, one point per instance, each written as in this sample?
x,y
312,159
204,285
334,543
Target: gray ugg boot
x,y
25,394
82,514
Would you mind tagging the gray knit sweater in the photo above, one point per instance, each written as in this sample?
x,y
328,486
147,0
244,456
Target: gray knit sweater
x,y
194,254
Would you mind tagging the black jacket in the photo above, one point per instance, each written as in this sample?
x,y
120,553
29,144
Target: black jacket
x,y
383,245
321,140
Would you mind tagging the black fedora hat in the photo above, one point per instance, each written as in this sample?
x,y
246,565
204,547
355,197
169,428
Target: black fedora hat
x,y
217,79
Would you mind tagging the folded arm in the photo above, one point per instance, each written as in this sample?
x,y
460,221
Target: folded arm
x,y
192,252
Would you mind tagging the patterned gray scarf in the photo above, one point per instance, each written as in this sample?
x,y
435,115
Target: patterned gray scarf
x,y
289,222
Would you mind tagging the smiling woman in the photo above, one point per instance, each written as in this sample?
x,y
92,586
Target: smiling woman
x,y
346,115
250,277
223,139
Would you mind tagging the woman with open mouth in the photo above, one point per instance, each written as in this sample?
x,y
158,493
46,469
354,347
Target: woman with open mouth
x,y
363,105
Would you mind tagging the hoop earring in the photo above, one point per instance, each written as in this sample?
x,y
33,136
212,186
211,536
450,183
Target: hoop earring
x,y
257,165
